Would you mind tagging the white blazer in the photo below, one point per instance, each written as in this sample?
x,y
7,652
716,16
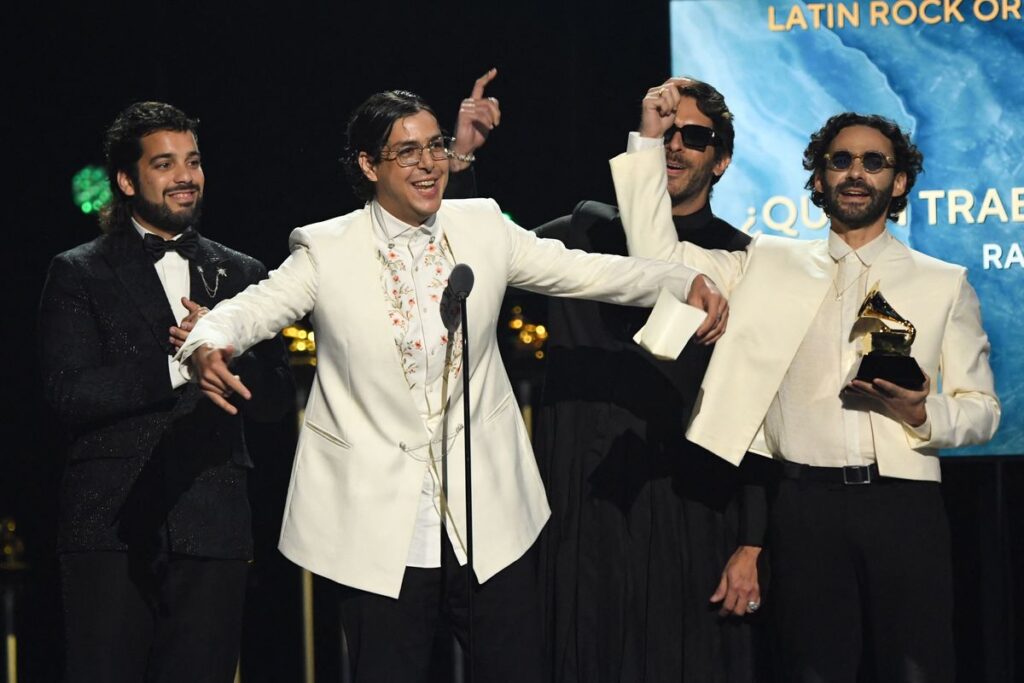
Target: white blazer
x,y
359,465
775,288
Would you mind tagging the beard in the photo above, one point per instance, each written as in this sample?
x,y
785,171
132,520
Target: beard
x,y
159,215
856,217
699,179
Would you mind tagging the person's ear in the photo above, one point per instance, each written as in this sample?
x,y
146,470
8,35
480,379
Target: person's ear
x,y
367,166
125,183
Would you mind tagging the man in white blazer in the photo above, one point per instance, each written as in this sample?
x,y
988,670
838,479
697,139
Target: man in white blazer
x,y
383,426
858,536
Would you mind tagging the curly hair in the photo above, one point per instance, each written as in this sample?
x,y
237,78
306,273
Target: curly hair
x,y
909,159
368,130
122,148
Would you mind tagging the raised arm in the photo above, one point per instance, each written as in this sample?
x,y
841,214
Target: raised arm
x,y
641,188
478,116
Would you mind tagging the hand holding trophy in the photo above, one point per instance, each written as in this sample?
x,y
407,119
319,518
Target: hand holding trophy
x,y
887,337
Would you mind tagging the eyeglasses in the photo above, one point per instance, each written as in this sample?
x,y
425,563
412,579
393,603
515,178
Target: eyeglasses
x,y
409,154
694,136
871,162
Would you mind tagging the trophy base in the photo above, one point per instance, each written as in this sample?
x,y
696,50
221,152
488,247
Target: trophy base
x,y
901,370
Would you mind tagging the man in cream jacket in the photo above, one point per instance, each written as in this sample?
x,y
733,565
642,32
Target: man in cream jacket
x,y
858,535
376,500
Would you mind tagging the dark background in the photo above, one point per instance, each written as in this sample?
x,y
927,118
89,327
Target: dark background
x,y
273,87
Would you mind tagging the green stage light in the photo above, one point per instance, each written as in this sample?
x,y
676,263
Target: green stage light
x,y
90,189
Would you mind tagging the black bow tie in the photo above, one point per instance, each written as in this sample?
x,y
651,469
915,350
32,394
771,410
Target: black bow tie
x,y
187,245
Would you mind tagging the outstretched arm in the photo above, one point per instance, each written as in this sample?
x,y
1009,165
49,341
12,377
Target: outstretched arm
x,y
263,369
254,315
546,266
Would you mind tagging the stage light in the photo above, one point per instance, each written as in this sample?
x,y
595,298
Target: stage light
x,y
90,189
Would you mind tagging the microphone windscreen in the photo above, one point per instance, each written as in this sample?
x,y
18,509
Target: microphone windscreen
x,y
461,280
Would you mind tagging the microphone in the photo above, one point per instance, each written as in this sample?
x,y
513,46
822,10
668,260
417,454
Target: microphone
x,y
460,282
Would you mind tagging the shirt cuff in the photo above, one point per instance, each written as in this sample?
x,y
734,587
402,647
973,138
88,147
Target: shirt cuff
x,y
637,143
180,373
921,434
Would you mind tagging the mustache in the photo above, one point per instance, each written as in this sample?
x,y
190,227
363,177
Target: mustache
x,y
854,185
677,160
185,186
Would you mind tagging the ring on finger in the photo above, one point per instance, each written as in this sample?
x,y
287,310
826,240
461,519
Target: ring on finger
x,y
753,606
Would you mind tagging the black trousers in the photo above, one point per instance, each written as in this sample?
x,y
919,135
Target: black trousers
x,y
392,639
118,631
862,582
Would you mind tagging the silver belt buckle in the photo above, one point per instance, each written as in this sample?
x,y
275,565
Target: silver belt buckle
x,y
856,475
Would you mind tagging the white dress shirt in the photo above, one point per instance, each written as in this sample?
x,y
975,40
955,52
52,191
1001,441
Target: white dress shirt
x,y
416,263
172,269
811,421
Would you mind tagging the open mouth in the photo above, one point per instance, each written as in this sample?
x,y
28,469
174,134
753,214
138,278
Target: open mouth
x,y
855,193
184,195
427,187
675,166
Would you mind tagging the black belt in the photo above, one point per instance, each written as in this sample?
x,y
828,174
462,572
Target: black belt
x,y
851,476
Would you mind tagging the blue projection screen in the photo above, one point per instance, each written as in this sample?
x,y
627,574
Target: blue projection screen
x,y
947,70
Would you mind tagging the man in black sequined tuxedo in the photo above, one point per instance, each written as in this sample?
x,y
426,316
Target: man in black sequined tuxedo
x,y
650,561
155,534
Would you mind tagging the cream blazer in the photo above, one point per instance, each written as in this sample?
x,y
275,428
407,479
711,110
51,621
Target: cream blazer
x,y
359,466
775,288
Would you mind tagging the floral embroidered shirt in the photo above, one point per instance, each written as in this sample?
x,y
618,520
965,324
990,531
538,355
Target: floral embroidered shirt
x,y
415,264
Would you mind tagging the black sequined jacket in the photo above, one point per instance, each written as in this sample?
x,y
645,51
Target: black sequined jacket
x,y
149,467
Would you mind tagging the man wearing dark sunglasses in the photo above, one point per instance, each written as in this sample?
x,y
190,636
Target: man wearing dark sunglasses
x,y
860,555
645,525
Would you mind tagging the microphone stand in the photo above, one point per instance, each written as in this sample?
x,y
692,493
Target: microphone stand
x,y
469,481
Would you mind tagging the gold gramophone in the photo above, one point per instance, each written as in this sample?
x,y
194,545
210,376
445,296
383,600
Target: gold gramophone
x,y
886,337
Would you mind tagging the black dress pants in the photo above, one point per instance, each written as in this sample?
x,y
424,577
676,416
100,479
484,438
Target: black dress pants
x,y
862,585
117,631
392,639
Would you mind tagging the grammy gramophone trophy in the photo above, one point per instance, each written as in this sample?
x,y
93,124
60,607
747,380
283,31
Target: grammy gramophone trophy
x,y
886,337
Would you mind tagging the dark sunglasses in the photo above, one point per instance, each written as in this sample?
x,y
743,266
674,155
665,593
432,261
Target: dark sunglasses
x,y
694,136
872,162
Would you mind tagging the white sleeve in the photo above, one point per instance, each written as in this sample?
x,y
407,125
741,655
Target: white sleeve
x,y
641,187
546,266
263,309
967,410
637,143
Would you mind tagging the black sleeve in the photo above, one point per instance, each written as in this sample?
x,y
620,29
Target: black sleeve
x,y
758,474
80,383
753,515
555,229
